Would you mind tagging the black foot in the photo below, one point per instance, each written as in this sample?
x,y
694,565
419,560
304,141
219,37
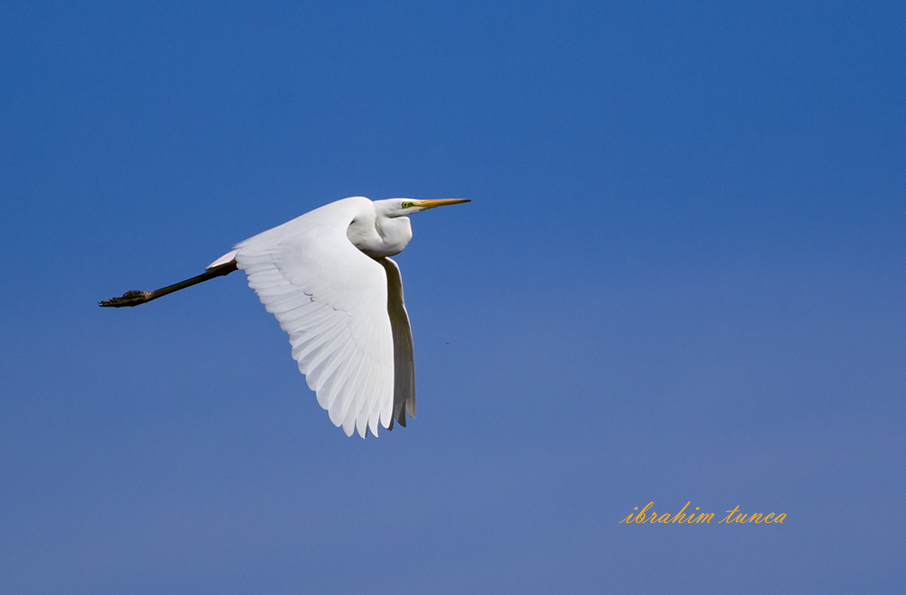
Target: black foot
x,y
130,298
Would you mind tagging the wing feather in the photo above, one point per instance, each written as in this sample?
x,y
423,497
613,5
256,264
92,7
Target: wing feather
x,y
337,409
326,356
347,408
363,397
332,374
314,343
343,379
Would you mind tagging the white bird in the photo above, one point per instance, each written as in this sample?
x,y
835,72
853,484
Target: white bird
x,y
328,279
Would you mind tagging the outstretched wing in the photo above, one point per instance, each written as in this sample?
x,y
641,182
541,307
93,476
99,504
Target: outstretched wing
x,y
332,301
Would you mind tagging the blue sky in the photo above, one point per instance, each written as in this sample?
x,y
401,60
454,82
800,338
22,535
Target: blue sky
x,y
680,279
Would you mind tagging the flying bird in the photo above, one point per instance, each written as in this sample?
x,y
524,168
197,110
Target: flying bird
x,y
328,278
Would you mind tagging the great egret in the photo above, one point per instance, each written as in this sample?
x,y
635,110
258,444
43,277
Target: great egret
x,y
328,279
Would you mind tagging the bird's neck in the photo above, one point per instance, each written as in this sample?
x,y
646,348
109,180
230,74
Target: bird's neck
x,y
381,236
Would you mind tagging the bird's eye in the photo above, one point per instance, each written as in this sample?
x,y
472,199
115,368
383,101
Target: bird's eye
x,y
406,204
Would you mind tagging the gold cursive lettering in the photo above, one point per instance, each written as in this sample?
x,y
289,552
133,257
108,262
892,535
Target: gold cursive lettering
x,y
649,515
678,517
640,518
731,513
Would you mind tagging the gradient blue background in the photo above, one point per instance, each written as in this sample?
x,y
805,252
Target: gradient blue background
x,y
681,278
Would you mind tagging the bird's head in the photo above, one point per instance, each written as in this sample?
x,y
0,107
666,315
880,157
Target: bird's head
x,y
401,207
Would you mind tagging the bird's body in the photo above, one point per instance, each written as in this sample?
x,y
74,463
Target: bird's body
x,y
328,279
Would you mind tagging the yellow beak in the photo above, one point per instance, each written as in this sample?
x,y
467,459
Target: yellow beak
x,y
439,202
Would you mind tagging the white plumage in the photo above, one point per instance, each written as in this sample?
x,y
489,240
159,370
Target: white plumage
x,y
328,279
332,300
